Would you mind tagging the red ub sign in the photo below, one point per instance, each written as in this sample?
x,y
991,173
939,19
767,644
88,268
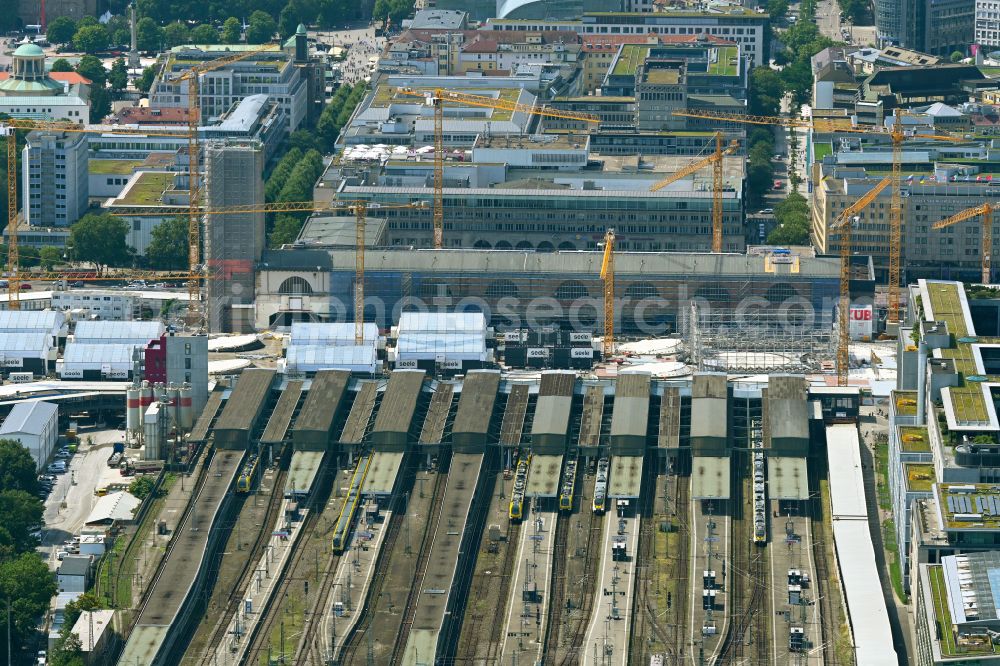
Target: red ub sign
x,y
860,322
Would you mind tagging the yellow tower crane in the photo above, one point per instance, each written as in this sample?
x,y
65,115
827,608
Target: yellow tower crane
x,y
360,210
437,98
191,75
843,225
896,134
715,159
9,128
985,213
608,275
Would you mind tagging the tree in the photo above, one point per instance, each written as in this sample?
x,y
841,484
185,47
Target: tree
x,y
100,238
91,38
61,65
232,30
49,256
148,35
176,34
205,34
92,68
302,139
168,247
766,90
288,21
61,30
17,467
100,104
142,486
260,28
957,56
118,79
21,512
286,230
26,581
777,9
279,176
145,82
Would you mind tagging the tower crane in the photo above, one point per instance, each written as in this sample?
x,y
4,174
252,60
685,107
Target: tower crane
x,y
437,98
985,213
896,134
194,188
360,210
9,128
608,275
843,225
715,159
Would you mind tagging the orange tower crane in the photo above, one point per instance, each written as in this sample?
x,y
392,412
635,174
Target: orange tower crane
x,y
9,128
608,275
715,159
896,134
437,98
191,75
985,213
843,225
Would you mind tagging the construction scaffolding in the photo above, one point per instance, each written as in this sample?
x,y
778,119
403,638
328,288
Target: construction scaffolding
x,y
778,338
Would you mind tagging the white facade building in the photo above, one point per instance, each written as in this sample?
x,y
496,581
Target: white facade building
x,y
107,305
55,179
96,362
36,425
120,333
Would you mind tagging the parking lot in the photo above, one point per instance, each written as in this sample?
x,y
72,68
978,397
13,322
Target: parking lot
x,y
72,498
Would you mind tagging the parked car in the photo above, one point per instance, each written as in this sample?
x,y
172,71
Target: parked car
x,y
25,286
767,211
61,555
77,285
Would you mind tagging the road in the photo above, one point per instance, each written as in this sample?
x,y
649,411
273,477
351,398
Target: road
x,y
72,499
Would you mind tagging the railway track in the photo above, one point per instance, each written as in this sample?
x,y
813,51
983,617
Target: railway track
x,y
746,597
437,505
355,638
576,626
245,577
828,614
309,645
557,584
681,567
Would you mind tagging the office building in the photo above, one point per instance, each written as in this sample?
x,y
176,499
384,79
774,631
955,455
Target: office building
x,y
56,181
233,242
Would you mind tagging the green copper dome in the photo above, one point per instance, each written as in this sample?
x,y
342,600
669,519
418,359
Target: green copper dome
x,y
29,51
301,30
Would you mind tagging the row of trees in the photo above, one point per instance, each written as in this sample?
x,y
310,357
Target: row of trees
x,y
760,167
325,13
292,180
394,10
336,114
792,215
25,580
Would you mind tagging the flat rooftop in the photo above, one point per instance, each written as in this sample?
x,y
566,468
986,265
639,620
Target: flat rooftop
x,y
968,506
914,439
147,189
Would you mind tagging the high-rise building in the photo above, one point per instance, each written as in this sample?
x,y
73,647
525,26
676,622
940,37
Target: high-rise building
x,y
55,179
938,27
233,242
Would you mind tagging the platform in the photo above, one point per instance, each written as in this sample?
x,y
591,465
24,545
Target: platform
x,y
360,414
281,417
787,478
591,420
543,476
302,473
527,607
512,427
382,473
626,477
710,477
606,643
436,587
432,431
200,431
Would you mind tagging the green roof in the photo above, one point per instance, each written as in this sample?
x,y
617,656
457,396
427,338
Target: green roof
x,y
919,477
629,59
113,167
972,492
723,65
914,439
906,402
821,150
148,189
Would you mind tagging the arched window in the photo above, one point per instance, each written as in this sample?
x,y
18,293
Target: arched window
x,y
295,285
571,289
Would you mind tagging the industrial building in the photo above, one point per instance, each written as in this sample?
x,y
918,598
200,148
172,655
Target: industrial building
x,y
177,360
33,351
35,424
53,323
95,362
234,172
56,185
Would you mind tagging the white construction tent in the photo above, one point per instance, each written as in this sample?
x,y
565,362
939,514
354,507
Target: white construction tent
x,y
28,351
33,321
361,359
118,332
451,340
331,333
96,361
